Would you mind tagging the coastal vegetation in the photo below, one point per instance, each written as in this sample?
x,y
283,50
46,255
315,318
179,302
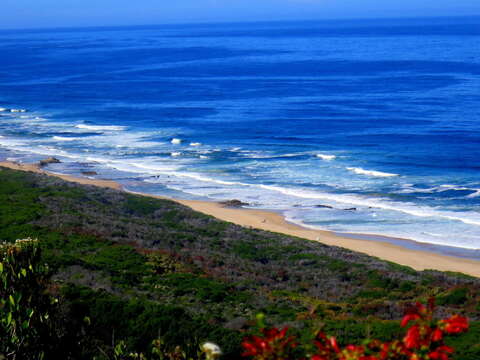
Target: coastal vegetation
x,y
114,273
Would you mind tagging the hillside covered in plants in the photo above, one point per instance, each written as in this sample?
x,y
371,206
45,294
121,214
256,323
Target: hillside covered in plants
x,y
131,269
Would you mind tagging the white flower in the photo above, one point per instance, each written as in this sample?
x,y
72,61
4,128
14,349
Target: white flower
x,y
211,350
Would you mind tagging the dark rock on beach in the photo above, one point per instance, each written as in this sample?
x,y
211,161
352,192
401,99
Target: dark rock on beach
x,y
50,160
233,203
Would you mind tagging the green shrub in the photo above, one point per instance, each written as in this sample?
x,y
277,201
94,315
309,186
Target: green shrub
x,y
456,296
26,331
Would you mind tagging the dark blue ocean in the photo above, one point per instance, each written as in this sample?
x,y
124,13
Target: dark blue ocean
x,y
308,118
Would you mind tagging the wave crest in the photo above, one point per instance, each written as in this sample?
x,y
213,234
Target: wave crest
x,y
375,173
101,127
326,157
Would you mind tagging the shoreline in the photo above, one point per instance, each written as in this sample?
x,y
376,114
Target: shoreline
x,y
275,222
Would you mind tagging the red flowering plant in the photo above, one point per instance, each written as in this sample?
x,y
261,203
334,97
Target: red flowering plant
x,y
424,340
272,344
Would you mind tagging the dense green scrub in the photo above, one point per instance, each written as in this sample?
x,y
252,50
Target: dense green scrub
x,y
140,268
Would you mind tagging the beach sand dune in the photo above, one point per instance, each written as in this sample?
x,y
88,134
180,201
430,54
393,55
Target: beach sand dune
x,y
271,221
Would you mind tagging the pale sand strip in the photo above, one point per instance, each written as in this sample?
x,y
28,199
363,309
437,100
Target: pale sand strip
x,y
274,222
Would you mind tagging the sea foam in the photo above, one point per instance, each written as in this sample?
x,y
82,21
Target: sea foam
x,y
326,157
101,127
361,171
379,203
475,194
63,138
176,141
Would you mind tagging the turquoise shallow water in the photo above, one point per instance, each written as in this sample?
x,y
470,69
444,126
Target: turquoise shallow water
x,y
370,127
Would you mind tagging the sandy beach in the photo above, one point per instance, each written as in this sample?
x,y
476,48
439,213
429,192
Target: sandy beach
x,y
271,221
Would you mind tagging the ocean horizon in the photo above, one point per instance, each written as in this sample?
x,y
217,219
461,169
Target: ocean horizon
x,y
351,126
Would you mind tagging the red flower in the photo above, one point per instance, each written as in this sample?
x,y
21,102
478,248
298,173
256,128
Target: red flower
x,y
409,317
334,344
437,335
421,342
455,324
274,342
441,353
412,339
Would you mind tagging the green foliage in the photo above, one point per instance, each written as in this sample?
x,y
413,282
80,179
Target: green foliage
x,y
141,205
203,288
124,264
467,345
252,251
457,296
140,321
25,327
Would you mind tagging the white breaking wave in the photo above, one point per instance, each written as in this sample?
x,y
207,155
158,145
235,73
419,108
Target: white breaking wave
x,y
475,194
136,165
18,110
453,187
195,144
101,128
408,188
206,179
64,138
176,154
406,208
176,141
361,171
326,157
3,109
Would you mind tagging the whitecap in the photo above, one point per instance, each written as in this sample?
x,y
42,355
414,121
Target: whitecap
x,y
3,109
326,157
176,154
406,208
101,127
63,138
361,171
195,144
453,187
176,141
18,110
475,194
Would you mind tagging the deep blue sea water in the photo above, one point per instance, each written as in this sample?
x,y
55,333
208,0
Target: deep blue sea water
x,y
308,118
